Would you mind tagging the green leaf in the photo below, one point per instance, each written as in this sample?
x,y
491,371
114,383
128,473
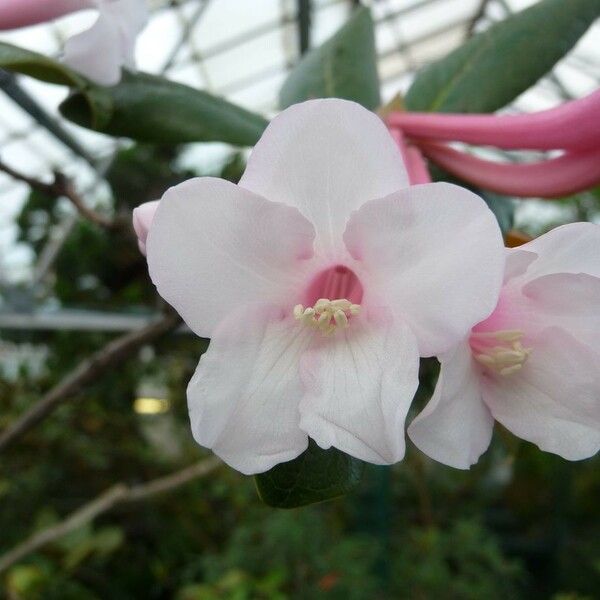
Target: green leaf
x,y
314,476
151,109
503,208
345,66
497,65
38,66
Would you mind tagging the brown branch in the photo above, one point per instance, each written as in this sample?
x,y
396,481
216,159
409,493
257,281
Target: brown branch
x,y
117,494
87,371
61,186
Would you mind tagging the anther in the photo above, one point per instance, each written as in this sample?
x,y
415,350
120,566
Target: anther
x,y
327,315
507,357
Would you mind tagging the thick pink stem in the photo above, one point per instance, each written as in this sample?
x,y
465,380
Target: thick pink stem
x,y
554,178
574,125
21,13
416,166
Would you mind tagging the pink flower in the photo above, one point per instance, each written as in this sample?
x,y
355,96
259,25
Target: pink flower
x,y
533,365
552,178
320,278
573,127
143,216
97,53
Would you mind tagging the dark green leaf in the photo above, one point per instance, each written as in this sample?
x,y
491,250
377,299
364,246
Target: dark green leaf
x,y
314,476
497,65
503,208
151,109
345,66
38,66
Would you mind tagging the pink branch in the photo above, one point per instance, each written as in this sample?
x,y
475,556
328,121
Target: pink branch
x,y
574,125
570,173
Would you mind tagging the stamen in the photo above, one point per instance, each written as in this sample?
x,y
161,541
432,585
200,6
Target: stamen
x,y
505,358
327,315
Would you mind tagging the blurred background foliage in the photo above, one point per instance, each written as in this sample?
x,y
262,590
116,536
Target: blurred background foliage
x,y
521,524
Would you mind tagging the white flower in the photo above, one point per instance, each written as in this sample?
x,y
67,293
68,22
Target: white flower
x,y
533,365
101,51
319,279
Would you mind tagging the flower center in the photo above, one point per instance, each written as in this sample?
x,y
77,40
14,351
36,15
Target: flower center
x,y
332,298
327,315
501,351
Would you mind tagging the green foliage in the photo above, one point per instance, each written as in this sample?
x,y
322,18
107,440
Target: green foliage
x,y
345,66
314,476
143,107
497,65
97,101
150,109
38,66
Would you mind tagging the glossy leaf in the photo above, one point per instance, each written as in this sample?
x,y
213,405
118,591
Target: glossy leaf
x,y
314,476
38,66
151,109
497,65
503,208
345,66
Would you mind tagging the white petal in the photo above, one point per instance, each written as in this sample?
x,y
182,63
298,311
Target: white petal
x,y
553,401
455,428
243,398
95,52
517,263
214,246
569,301
326,157
572,248
101,51
434,253
142,218
359,385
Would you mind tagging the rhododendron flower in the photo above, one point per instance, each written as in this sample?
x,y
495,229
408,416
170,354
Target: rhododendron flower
x,y
99,52
573,127
143,216
320,278
533,365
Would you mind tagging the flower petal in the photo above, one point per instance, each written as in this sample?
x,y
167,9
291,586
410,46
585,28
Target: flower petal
x,y
434,253
101,51
359,386
214,246
571,248
325,157
455,428
143,215
568,301
22,13
243,398
517,262
553,400
571,125
567,174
